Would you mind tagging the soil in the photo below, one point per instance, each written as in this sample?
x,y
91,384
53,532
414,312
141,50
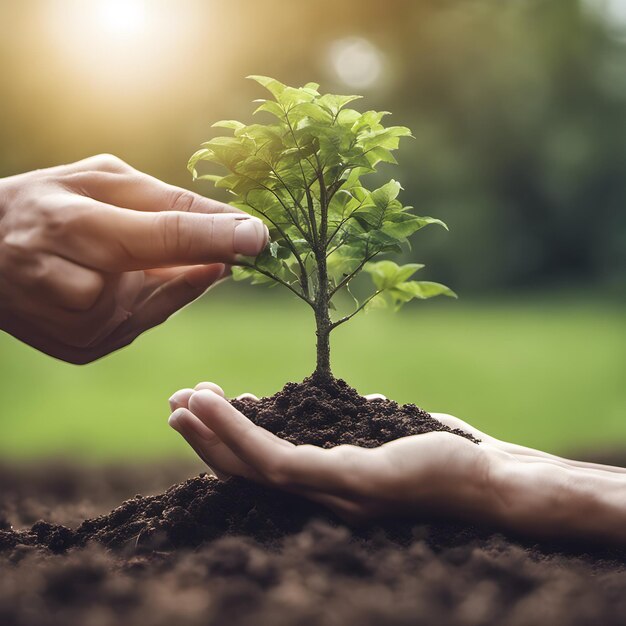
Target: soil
x,y
230,553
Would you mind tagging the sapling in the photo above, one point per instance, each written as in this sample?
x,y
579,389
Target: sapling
x,y
301,172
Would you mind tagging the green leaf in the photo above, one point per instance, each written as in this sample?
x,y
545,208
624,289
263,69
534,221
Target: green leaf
x,y
387,274
335,103
232,124
274,86
385,194
369,119
401,225
270,106
420,289
309,109
211,177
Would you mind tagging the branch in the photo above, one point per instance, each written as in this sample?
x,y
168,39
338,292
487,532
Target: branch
x,y
303,275
334,187
323,201
307,185
279,280
353,273
343,320
296,202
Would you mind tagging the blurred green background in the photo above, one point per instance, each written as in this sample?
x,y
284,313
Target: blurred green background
x,y
519,113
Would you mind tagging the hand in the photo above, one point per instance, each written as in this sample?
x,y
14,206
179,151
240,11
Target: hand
x,y
436,474
94,253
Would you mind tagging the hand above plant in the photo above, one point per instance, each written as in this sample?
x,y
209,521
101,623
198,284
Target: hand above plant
x,y
94,253
434,474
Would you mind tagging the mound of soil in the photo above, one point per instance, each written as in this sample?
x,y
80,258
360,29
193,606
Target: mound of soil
x,y
211,553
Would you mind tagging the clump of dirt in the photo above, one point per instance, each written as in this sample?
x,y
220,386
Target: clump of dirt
x,y
320,412
329,413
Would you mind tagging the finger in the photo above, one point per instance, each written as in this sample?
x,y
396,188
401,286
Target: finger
x,y
375,396
180,399
209,447
128,188
295,468
186,429
222,461
256,447
454,422
247,396
576,468
110,239
524,453
152,311
159,275
211,387
205,406
168,299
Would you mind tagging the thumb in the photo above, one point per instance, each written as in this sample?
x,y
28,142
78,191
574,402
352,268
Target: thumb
x,y
118,240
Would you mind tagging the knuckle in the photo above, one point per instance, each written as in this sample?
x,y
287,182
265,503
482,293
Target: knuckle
x,y
38,272
46,215
108,163
182,200
54,223
174,233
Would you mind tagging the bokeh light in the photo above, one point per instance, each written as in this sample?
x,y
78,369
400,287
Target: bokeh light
x,y
122,17
117,42
356,62
612,13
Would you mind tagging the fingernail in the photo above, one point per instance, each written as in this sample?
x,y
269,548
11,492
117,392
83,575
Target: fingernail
x,y
251,236
180,399
173,420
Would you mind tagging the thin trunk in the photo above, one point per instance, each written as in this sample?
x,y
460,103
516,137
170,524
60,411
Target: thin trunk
x,y
322,302
323,322
322,369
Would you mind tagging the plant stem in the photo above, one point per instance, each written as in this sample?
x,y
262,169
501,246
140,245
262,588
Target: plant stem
x,y
322,369
322,302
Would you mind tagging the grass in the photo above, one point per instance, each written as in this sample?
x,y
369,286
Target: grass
x,y
546,372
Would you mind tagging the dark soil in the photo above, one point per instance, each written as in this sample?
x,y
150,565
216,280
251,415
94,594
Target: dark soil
x,y
232,553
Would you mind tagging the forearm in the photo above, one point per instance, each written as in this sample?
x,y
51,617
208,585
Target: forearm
x,y
554,501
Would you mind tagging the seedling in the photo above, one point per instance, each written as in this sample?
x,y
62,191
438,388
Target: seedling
x,y
301,173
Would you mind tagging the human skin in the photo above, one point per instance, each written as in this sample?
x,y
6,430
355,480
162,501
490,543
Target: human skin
x,y
94,253
436,474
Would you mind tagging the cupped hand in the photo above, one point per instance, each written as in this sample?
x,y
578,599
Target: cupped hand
x,y
94,253
436,474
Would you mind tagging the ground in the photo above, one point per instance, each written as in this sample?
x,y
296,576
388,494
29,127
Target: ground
x,y
325,574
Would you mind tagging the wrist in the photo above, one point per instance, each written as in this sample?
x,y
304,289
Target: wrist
x,y
548,500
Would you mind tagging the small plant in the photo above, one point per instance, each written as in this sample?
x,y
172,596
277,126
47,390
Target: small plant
x,y
301,174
